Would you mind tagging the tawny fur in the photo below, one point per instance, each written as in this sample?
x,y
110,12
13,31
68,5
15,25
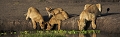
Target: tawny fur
x,y
99,6
56,19
52,11
55,11
35,16
86,6
88,14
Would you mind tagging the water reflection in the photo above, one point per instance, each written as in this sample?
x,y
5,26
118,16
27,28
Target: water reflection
x,y
94,35
81,35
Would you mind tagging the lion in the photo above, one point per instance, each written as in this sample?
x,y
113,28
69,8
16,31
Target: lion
x,y
54,11
56,19
89,14
35,16
99,6
65,14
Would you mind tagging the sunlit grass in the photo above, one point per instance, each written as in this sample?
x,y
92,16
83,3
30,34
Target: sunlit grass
x,y
42,34
55,33
51,33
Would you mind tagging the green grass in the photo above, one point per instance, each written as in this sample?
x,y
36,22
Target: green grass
x,y
42,34
55,33
52,33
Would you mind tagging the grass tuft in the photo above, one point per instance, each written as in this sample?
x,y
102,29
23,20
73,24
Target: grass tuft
x,y
52,33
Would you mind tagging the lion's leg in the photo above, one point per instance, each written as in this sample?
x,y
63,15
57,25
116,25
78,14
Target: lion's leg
x,y
82,24
59,23
41,25
93,23
48,27
79,24
34,24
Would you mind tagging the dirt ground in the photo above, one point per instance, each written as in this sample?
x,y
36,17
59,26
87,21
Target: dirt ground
x,y
12,11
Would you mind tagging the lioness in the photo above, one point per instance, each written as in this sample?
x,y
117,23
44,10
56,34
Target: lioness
x,y
54,11
89,14
55,20
35,16
98,6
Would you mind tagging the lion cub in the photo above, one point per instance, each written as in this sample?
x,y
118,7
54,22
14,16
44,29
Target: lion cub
x,y
89,14
35,16
56,19
55,11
